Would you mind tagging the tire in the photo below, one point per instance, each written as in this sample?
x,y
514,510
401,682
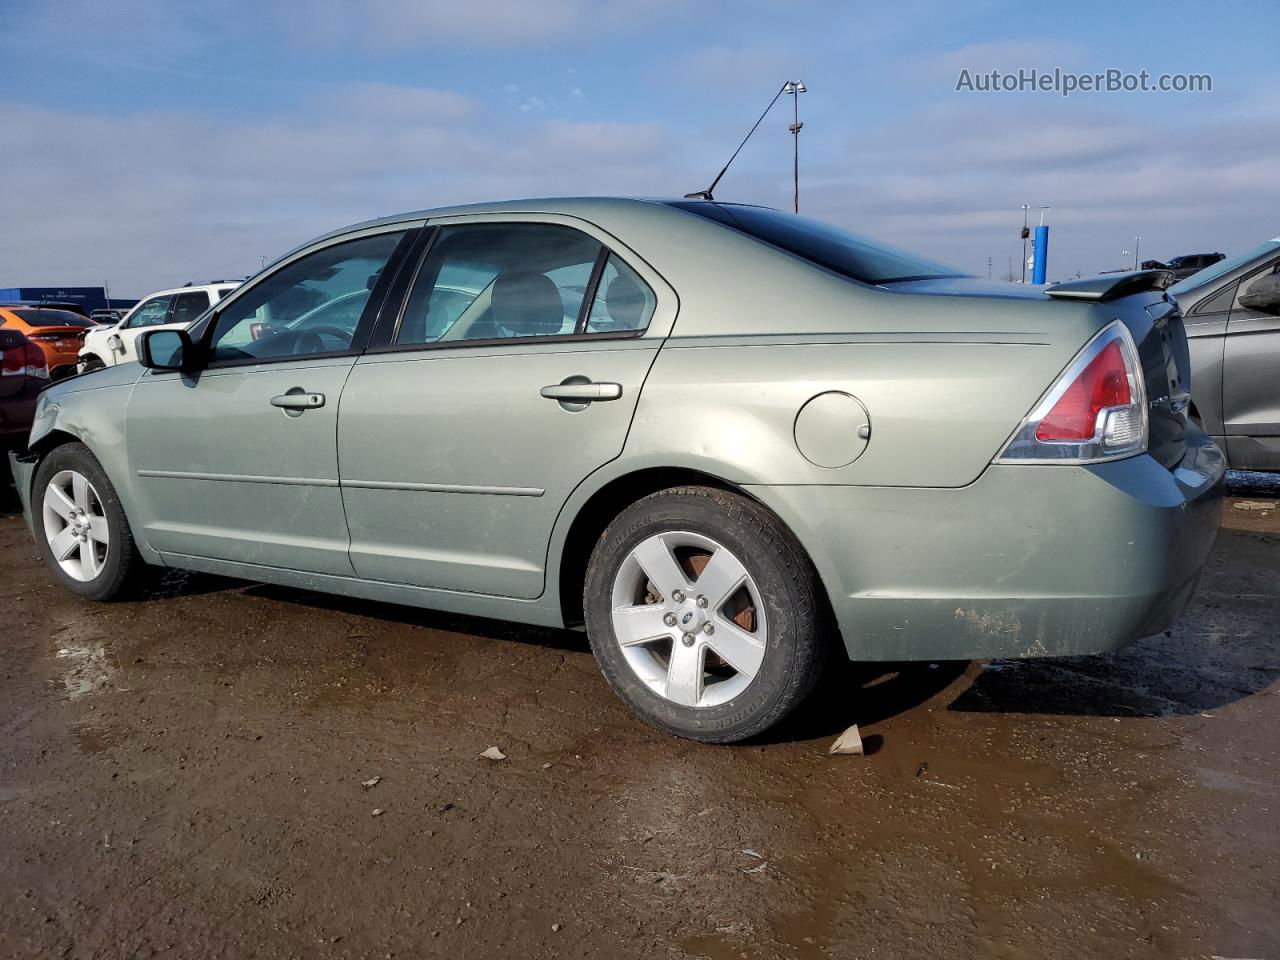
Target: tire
x,y
92,362
769,638
90,567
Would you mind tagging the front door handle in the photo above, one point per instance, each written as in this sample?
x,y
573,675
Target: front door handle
x,y
582,392
297,399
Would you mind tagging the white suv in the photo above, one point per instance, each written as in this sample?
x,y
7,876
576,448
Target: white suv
x,y
106,346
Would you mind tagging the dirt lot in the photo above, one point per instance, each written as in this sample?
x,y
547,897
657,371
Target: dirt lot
x,y
183,776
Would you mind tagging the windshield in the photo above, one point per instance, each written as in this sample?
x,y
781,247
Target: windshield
x,y
849,254
53,318
1223,267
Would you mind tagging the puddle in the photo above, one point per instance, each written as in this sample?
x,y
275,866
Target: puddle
x,y
85,668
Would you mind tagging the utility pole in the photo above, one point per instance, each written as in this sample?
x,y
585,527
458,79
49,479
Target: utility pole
x,y
1137,241
988,268
795,88
1026,232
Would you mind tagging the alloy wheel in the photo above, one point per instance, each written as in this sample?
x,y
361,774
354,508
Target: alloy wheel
x,y
689,618
75,525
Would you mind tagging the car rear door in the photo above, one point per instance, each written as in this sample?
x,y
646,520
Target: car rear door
x,y
1251,373
510,374
238,461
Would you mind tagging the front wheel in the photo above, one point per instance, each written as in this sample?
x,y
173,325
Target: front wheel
x,y
704,614
80,526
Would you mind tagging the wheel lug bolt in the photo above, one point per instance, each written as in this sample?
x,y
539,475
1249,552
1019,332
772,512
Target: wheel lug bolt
x,y
708,628
677,596
687,639
669,619
701,601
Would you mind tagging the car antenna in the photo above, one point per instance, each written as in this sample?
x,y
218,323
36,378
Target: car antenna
x,y
706,194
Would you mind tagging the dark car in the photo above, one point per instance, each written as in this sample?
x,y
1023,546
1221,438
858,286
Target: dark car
x,y
1232,316
24,372
1186,265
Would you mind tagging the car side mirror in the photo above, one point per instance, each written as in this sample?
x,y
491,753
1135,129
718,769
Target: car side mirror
x,y
1263,295
166,350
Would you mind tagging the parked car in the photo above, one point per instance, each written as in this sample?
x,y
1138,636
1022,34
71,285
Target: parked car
x,y
1184,266
171,309
106,317
24,372
1232,315
56,332
721,437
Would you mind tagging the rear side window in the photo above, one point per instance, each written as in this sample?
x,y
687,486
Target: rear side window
x,y
224,292
487,282
848,254
623,301
188,306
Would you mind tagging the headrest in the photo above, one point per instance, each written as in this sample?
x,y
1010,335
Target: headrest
x,y
626,302
527,304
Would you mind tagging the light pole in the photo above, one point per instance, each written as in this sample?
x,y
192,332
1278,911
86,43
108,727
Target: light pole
x,y
1025,234
795,88
1137,241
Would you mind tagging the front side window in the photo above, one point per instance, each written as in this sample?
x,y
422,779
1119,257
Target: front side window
x,y
498,281
310,306
188,306
150,313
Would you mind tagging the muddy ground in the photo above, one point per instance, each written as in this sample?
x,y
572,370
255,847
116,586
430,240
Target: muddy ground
x,y
183,777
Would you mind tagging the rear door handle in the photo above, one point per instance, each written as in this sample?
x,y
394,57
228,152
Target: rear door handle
x,y
582,392
298,400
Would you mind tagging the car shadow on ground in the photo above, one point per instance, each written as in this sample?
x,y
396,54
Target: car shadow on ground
x,y
555,639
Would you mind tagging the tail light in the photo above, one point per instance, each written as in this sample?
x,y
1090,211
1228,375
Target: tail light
x,y
1097,410
37,365
20,357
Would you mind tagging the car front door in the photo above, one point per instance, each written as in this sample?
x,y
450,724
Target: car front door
x,y
1250,375
510,374
238,461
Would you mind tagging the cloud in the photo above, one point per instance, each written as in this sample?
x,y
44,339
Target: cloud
x,y
733,68
167,197
395,102
404,24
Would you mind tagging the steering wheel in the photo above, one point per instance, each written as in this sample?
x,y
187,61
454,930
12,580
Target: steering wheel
x,y
309,340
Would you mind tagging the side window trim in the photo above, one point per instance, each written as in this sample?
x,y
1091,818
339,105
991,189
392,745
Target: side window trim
x,y
369,318
589,295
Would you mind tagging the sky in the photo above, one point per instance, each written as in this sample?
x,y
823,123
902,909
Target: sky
x,y
147,144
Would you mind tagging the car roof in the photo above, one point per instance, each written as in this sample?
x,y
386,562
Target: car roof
x,y
586,208
192,288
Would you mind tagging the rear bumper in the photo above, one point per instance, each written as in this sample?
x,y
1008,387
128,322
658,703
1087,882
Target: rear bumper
x,y
1026,561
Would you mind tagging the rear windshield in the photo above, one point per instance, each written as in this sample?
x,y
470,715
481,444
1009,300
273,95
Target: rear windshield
x,y
846,253
53,318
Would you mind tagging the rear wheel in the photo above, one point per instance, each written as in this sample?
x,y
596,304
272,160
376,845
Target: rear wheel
x,y
80,526
91,362
704,614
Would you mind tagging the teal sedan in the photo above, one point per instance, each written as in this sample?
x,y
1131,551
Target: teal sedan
x,y
725,440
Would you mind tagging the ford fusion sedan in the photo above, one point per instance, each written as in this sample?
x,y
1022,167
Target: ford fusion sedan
x,y
727,441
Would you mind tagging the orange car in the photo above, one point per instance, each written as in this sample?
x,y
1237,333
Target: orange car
x,y
55,332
